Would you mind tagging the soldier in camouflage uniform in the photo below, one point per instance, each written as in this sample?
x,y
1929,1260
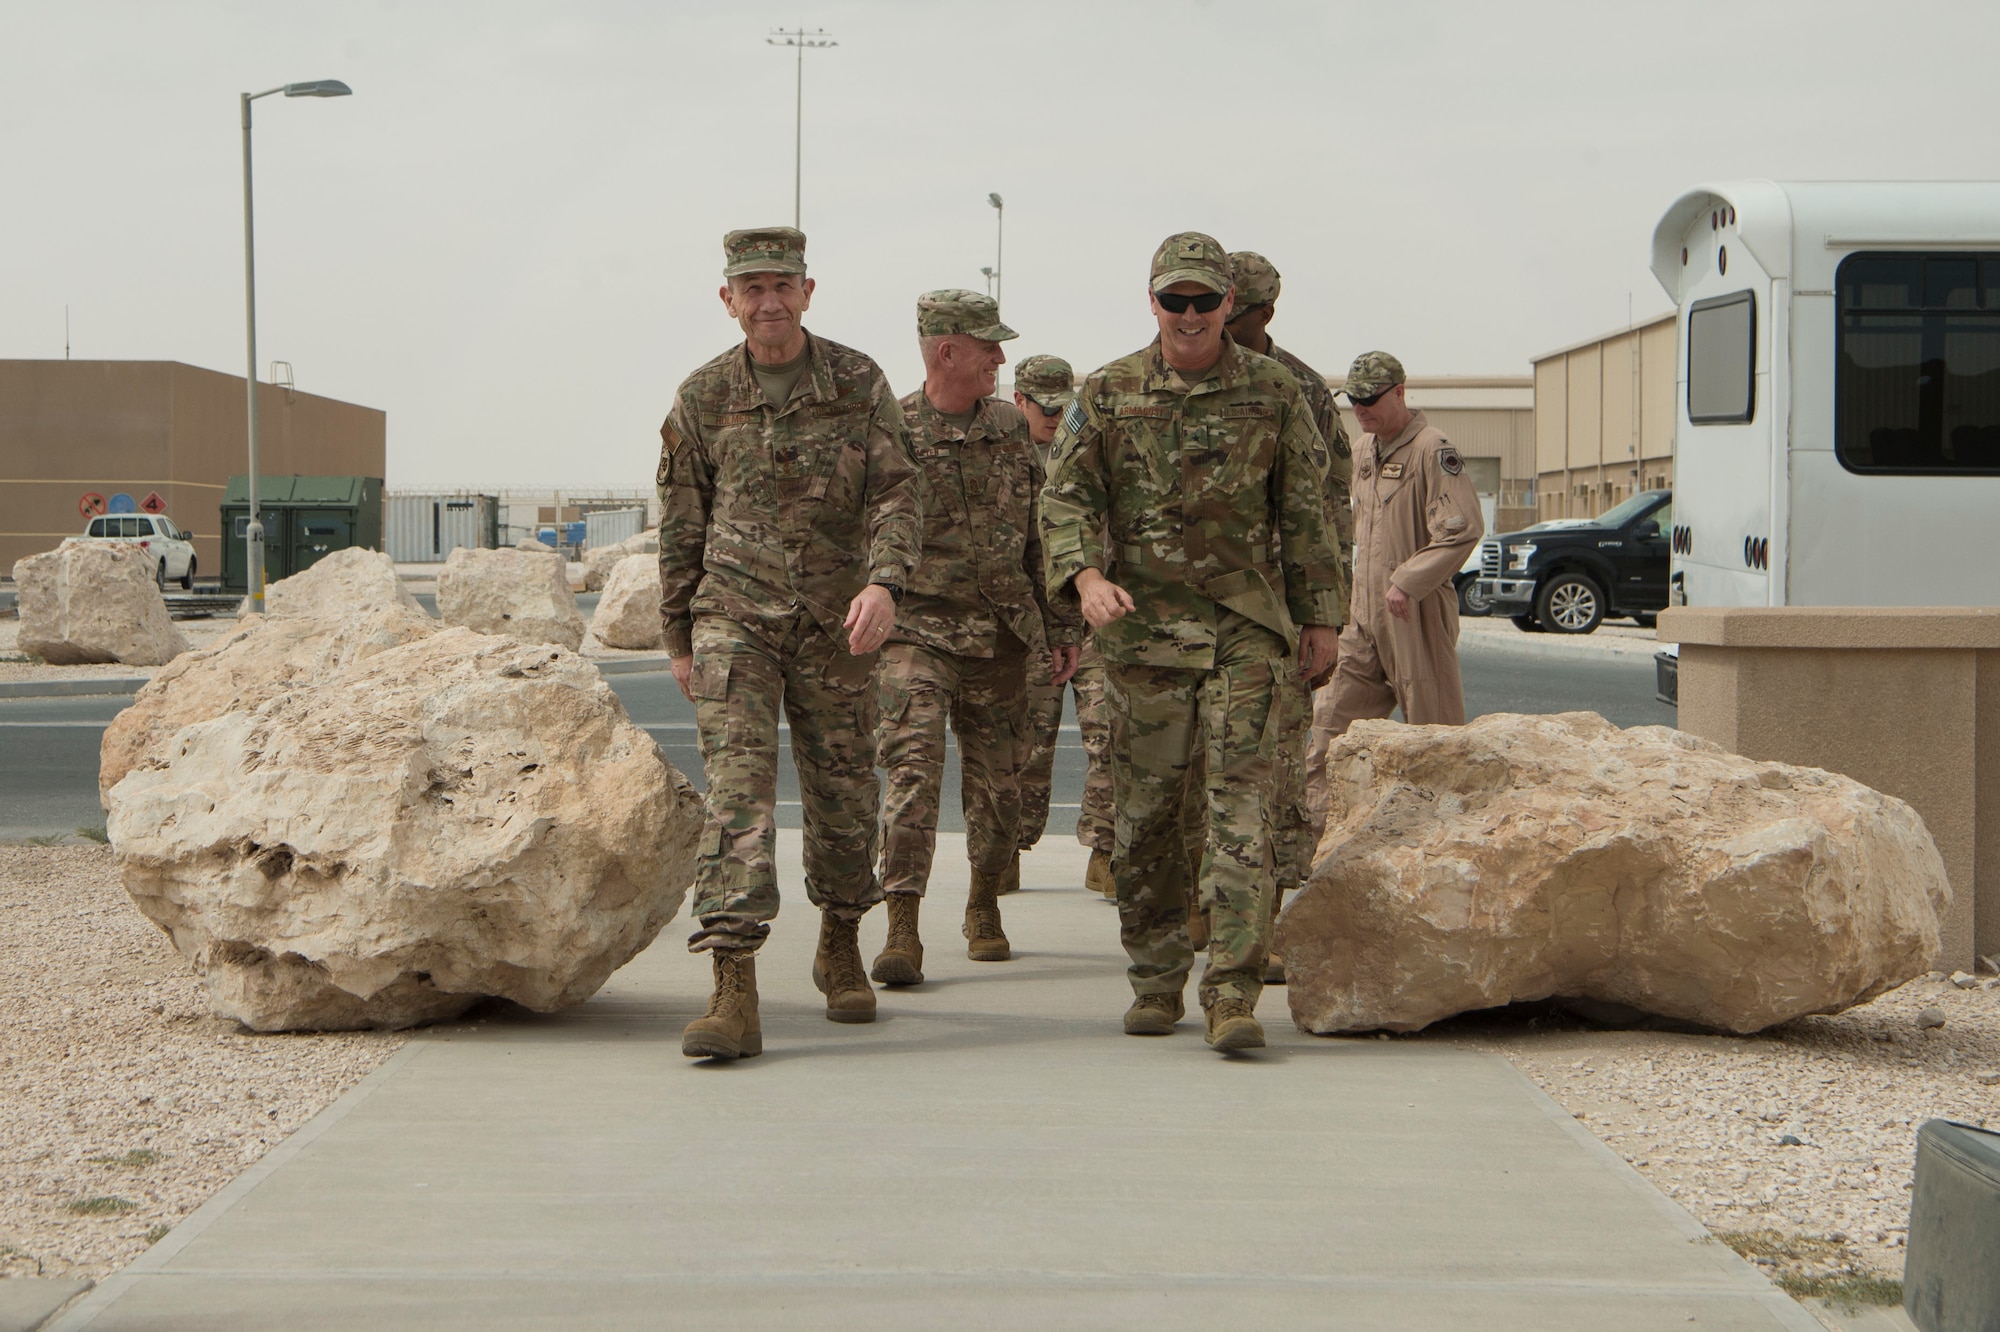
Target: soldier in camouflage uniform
x,y
1192,473
973,615
1257,288
790,519
1043,388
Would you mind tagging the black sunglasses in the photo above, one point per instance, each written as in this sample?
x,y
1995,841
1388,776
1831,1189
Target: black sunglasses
x,y
1203,303
1371,399
1245,311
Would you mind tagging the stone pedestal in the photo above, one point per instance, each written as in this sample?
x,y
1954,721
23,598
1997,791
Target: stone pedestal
x,y
1903,699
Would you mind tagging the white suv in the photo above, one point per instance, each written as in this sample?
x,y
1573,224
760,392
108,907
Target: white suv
x,y
168,545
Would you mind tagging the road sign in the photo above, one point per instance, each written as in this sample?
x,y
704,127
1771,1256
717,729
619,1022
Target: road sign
x,y
91,504
153,503
122,503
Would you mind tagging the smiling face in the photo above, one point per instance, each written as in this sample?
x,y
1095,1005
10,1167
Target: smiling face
x,y
770,308
963,369
1192,339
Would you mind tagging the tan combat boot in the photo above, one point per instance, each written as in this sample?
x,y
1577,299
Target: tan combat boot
x,y
1010,880
984,940
1232,1025
1098,877
901,961
731,1028
1154,1015
1274,966
837,971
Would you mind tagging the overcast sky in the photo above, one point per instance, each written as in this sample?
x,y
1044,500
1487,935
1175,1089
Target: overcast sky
x,y
509,237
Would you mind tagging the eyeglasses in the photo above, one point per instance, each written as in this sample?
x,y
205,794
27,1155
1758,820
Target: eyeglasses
x,y
1046,408
1371,399
1203,303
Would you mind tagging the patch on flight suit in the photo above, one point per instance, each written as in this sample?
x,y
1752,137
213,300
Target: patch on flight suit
x,y
1449,460
1392,471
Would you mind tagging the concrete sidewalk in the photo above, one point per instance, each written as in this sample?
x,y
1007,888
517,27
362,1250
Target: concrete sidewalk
x,y
992,1153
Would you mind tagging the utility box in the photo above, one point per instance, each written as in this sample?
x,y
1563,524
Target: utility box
x,y
425,529
1951,1270
306,518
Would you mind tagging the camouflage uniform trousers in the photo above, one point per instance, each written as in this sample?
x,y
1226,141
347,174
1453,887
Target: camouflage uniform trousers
x,y
985,699
1294,837
1095,822
740,680
1172,728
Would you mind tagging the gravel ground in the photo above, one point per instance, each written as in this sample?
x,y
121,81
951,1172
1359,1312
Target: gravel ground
x,y
1706,1118
123,1103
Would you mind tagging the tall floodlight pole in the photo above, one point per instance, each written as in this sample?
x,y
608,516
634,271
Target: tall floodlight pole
x,y
253,533
999,241
803,40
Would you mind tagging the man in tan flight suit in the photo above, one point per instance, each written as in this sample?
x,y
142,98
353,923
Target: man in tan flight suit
x,y
1415,515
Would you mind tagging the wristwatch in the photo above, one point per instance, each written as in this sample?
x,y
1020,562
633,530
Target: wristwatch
x,y
895,591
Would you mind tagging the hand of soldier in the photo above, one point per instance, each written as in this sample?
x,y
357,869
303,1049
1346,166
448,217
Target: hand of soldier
x,y
870,617
683,669
1062,663
1102,600
1398,602
1319,650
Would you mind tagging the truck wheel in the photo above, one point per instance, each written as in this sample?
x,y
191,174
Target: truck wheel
x,y
1527,624
187,579
1569,603
162,577
1469,600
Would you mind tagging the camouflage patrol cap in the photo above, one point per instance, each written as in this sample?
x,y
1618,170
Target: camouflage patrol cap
x,y
1190,256
1256,278
1372,373
955,310
764,250
1047,380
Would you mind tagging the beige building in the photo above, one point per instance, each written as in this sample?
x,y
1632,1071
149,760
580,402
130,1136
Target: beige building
x,y
1604,420
70,430
1491,418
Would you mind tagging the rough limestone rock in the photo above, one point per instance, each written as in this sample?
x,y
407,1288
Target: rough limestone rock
x,y
533,543
267,656
462,816
599,561
628,614
523,594
341,583
94,601
1521,858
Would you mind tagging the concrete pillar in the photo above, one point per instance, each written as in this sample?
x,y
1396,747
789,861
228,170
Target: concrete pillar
x,y
1903,699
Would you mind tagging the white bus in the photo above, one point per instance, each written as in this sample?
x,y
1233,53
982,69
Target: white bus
x,y
1837,429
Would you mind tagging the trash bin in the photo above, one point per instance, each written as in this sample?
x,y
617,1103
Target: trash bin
x,y
306,518
1951,1269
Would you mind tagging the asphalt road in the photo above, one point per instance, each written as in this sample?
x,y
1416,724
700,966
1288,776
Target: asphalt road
x,y
48,746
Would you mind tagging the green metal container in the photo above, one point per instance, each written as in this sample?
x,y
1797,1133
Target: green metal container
x,y
306,518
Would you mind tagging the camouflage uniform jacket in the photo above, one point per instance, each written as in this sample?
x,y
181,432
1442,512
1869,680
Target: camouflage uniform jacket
x,y
1192,498
1325,413
981,565
767,509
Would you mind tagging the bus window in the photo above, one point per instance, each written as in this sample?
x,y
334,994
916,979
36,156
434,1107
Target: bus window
x,y
1917,364
1722,352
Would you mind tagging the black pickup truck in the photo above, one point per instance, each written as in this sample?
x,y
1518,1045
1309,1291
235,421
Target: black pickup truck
x,y
1565,576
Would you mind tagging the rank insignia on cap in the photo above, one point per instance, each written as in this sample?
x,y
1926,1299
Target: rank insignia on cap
x,y
1449,460
1189,249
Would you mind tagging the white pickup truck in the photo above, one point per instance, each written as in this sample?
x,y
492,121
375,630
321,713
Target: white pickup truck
x,y
173,557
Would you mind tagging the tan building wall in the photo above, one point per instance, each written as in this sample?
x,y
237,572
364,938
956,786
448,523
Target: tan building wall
x,y
70,427
1604,420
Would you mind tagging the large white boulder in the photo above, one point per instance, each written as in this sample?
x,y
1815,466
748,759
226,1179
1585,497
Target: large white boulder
x,y
459,817
1528,857
94,601
522,594
628,614
267,656
600,560
342,583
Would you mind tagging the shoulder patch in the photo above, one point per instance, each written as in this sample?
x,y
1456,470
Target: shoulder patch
x,y
1449,460
1075,417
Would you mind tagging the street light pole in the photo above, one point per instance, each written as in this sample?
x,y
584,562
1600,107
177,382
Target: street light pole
x,y
253,532
801,39
999,240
